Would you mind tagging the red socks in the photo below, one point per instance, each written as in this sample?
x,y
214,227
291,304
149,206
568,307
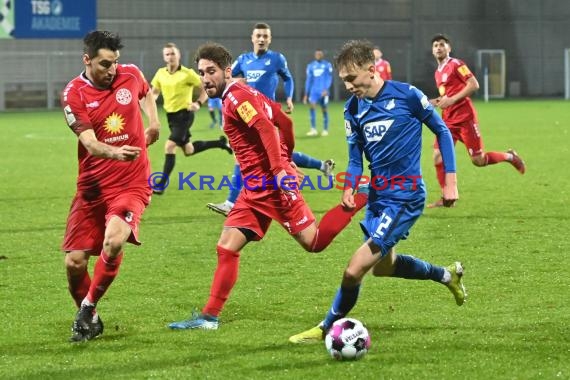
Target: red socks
x,y
490,159
106,269
224,280
78,286
495,157
334,221
440,171
226,273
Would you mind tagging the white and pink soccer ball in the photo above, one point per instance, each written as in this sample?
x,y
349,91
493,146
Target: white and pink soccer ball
x,y
347,339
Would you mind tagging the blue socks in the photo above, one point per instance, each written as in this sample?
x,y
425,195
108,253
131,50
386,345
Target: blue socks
x,y
411,267
305,161
408,267
237,184
313,118
325,120
344,301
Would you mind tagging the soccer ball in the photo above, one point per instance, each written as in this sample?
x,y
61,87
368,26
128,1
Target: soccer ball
x,y
347,339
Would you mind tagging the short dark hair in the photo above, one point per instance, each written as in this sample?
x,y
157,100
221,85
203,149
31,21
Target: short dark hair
x,y
355,53
439,37
216,53
261,25
100,39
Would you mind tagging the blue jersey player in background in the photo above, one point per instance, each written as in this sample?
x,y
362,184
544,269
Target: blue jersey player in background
x,y
215,110
383,121
317,90
262,68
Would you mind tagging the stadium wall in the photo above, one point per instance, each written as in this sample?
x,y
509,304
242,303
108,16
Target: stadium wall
x,y
533,33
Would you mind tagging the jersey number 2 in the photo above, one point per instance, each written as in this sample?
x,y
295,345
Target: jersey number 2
x,y
385,221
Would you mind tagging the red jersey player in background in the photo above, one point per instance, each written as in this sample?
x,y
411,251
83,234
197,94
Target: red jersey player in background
x,y
455,84
261,135
382,66
101,107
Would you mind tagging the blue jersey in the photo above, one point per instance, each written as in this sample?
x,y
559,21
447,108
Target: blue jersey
x,y
263,72
388,130
319,77
215,103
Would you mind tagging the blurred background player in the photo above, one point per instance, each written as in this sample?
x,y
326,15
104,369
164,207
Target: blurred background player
x,y
263,140
455,84
112,185
261,69
393,152
215,110
317,91
176,83
382,65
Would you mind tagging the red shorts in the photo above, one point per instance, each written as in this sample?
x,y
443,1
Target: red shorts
x,y
468,133
254,210
87,219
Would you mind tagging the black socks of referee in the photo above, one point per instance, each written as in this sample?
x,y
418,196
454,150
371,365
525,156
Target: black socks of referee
x,y
200,146
169,161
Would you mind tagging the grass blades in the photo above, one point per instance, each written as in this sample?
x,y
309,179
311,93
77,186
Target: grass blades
x,y
510,232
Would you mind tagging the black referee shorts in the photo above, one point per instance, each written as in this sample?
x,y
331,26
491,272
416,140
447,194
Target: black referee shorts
x,y
179,124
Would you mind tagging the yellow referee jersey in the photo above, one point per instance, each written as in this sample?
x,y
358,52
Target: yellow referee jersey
x,y
176,88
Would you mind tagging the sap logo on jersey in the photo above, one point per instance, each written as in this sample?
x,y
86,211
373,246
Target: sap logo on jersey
x,y
254,75
375,130
318,72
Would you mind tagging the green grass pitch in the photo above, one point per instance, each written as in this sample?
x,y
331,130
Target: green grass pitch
x,y
510,231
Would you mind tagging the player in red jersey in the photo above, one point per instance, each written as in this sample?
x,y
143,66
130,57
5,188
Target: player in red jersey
x,y
101,107
261,135
382,66
455,84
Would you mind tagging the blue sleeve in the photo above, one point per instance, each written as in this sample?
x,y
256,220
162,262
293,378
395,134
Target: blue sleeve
x,y
285,74
354,168
309,80
236,68
355,149
444,139
329,74
423,110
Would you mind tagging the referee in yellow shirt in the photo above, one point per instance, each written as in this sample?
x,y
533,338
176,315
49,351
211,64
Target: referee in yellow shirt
x,y
176,83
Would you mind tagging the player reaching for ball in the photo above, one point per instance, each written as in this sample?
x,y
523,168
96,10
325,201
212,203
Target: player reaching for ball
x,y
383,120
102,108
261,135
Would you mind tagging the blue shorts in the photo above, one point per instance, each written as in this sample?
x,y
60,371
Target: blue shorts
x,y
387,222
317,98
215,103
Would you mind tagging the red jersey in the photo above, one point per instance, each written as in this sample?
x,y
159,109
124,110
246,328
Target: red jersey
x,y
242,107
384,69
450,78
114,115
